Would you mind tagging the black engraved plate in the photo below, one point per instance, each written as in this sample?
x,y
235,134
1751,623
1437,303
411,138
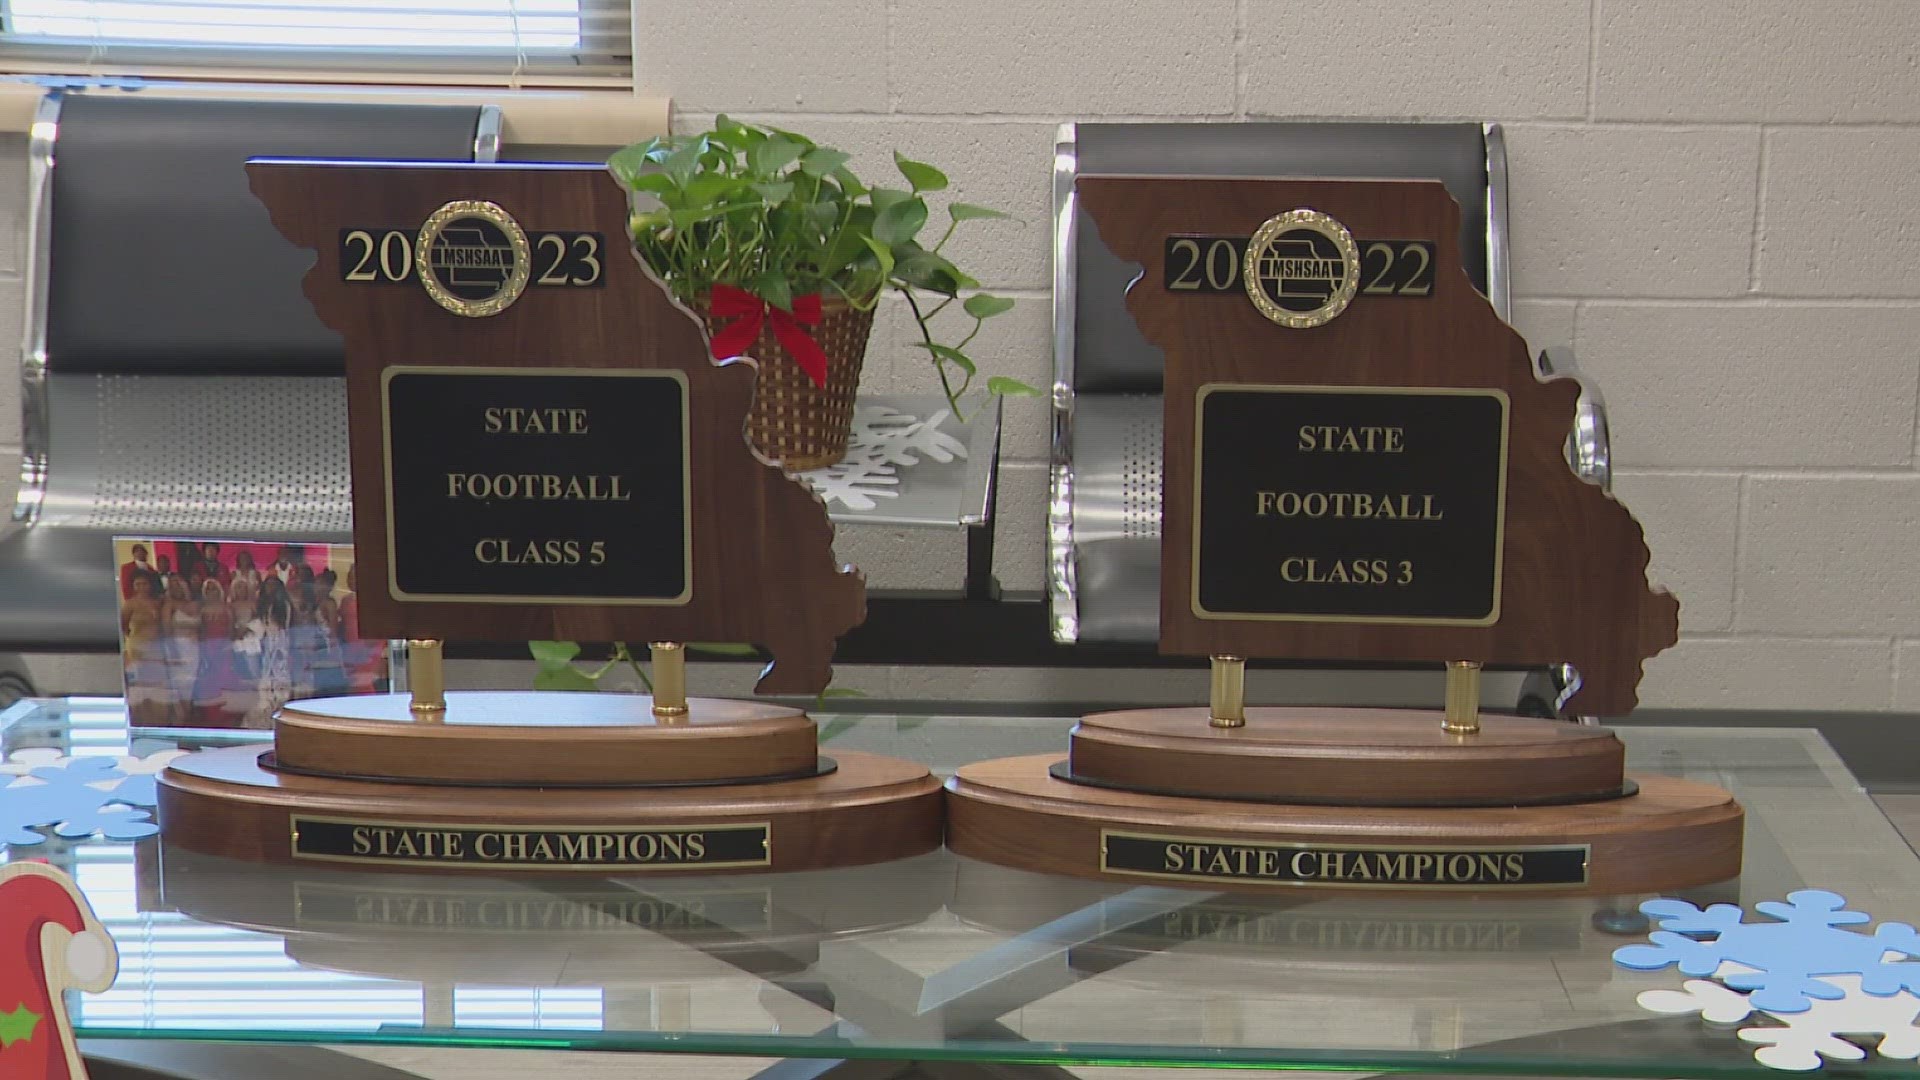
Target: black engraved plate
x,y
537,485
1349,504
1345,866
520,847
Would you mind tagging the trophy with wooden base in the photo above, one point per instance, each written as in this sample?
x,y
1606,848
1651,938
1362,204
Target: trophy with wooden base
x,y
541,449
1361,463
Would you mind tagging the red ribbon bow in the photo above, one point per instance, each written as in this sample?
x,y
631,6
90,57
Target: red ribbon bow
x,y
748,312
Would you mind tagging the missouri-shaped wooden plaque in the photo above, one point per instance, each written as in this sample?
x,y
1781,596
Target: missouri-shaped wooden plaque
x,y
1360,461
541,447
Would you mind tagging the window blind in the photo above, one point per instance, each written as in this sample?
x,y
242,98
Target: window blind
x,y
492,41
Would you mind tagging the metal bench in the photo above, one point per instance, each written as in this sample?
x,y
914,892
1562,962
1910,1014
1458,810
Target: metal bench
x,y
174,380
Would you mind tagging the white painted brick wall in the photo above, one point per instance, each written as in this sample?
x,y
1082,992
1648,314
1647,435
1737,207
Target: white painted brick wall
x,y
1817,674
1311,59
1631,211
1830,556
1906,687
1839,212
1014,57
1717,202
1692,524
1742,386
740,56
1776,61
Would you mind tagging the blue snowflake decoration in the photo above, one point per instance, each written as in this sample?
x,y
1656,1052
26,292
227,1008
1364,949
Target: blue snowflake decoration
x,y
1789,955
77,797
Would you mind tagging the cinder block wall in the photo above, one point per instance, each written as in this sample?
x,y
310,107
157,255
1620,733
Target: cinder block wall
x,y
1714,201
1717,202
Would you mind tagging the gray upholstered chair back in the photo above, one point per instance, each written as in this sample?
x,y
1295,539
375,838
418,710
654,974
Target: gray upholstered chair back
x,y
1104,519
174,380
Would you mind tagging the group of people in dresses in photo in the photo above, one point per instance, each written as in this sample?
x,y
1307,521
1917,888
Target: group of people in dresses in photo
x,y
213,640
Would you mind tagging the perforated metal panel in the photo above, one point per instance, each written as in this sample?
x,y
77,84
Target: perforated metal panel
x,y
199,455
1141,474
1116,454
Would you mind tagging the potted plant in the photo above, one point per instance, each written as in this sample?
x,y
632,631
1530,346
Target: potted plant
x,y
785,253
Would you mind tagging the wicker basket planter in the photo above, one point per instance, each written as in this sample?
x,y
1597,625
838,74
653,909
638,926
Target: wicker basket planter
x,y
764,232
793,421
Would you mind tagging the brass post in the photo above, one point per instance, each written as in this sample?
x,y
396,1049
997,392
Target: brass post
x,y
1463,698
427,677
669,678
1227,700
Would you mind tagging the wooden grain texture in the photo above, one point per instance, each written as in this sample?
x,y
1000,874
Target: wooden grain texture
x,y
527,737
763,565
872,809
1348,757
1575,583
1675,833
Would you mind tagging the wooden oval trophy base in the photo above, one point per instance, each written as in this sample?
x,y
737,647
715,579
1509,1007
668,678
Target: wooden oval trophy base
x,y
541,783
1353,799
1347,757
545,737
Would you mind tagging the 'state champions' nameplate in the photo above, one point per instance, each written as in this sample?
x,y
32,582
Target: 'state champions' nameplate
x,y
1200,859
518,847
537,485
1349,503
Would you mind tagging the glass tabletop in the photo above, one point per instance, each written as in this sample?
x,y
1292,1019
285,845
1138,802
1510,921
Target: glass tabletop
x,y
945,958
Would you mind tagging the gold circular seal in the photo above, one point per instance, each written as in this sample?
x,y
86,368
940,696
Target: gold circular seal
x,y
1302,268
473,258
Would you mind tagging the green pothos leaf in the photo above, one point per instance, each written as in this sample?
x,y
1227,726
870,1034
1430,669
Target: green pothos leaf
x,y
1000,384
553,654
722,648
563,678
961,211
949,354
986,305
837,726
922,176
774,288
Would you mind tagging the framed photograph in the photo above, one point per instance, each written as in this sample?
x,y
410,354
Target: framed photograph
x,y
220,633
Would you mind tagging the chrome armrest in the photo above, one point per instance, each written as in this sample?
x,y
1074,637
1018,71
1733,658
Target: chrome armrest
x,y
1062,592
1589,453
34,407
1544,693
1588,444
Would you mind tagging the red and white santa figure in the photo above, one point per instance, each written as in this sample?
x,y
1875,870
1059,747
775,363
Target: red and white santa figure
x,y
50,942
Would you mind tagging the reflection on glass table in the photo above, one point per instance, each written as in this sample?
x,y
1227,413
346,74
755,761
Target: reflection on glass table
x,y
941,958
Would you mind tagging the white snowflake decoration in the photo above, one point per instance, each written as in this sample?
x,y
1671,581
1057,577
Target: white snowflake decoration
x,y
1787,958
149,765
22,762
884,441
77,796
1807,1037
